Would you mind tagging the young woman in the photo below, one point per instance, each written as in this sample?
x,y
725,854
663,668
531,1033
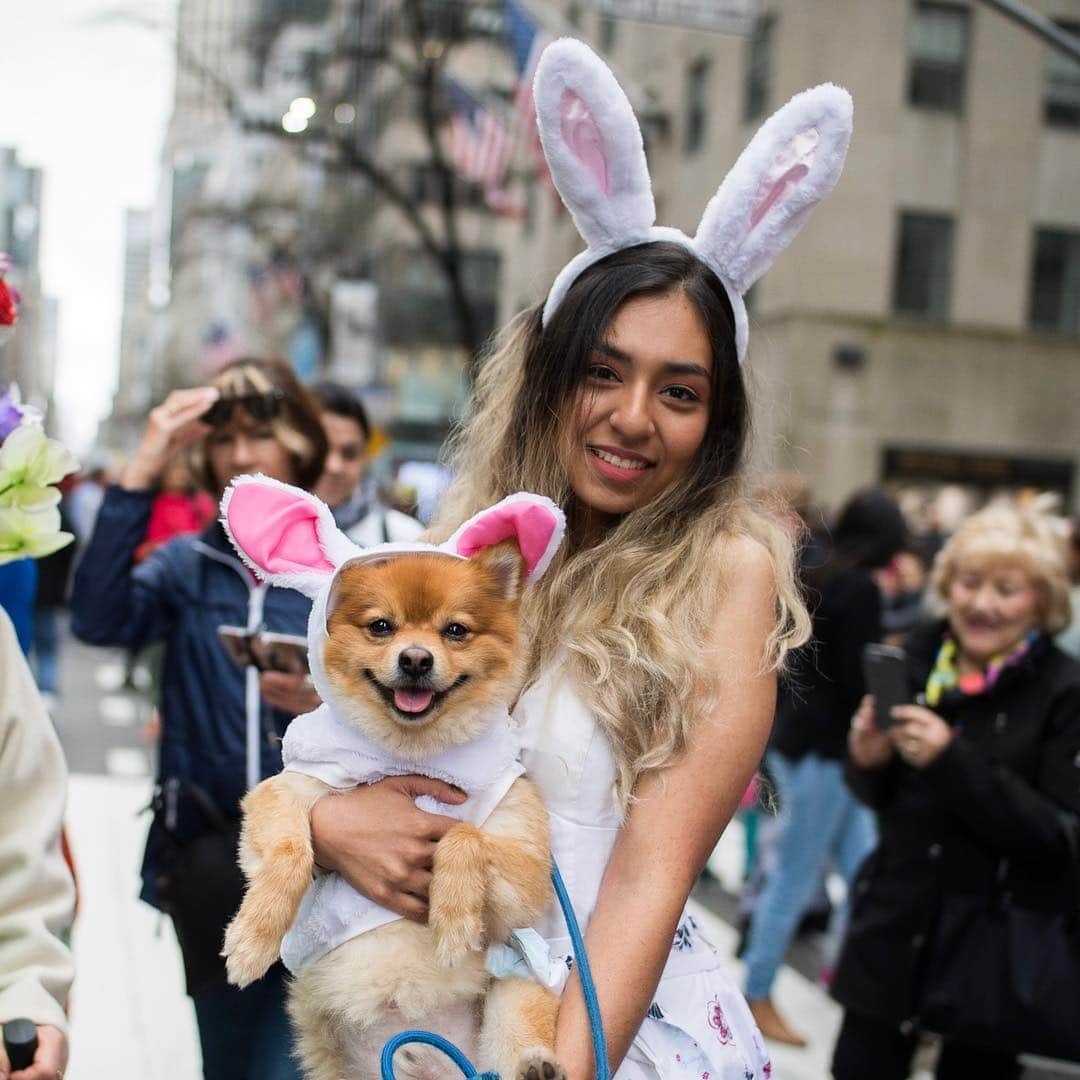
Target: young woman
x,y
978,795
221,725
656,635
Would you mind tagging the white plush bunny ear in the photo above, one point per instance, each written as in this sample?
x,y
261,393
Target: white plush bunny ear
x,y
791,164
285,535
593,146
536,523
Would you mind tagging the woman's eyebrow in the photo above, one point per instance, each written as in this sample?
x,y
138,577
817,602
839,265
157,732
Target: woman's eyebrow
x,y
669,367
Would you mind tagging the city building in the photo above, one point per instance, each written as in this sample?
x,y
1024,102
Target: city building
x,y
924,327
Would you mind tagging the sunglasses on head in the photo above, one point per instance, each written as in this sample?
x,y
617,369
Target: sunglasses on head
x,y
260,407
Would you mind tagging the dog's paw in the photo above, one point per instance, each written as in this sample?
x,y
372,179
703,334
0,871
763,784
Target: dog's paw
x,y
539,1064
456,933
248,955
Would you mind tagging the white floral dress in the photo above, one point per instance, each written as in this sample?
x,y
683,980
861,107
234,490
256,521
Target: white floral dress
x,y
698,1025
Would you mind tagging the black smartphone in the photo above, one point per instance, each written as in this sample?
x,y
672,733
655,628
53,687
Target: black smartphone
x,y
237,642
886,674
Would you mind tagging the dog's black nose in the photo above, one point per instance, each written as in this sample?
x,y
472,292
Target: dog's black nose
x,y
415,661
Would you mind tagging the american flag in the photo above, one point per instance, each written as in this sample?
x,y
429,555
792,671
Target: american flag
x,y
479,141
526,41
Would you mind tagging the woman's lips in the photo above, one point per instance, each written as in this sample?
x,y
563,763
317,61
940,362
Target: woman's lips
x,y
621,466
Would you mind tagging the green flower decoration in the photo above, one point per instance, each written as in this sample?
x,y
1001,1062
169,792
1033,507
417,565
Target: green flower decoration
x,y
30,463
32,534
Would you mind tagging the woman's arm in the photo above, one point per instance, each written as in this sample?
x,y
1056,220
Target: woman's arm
x,y
674,824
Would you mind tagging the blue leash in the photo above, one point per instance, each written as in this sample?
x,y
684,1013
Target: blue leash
x,y
592,1006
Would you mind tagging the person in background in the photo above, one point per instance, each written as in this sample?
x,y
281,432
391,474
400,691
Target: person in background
x,y
346,485
221,724
822,819
179,508
978,796
84,502
36,889
54,578
1069,638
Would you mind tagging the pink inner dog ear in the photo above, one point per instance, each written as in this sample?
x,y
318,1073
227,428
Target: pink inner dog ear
x,y
531,525
278,531
582,134
790,166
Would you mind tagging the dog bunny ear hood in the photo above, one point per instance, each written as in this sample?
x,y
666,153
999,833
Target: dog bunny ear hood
x,y
594,150
288,538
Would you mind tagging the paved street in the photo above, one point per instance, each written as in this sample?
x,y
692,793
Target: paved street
x,y
130,1016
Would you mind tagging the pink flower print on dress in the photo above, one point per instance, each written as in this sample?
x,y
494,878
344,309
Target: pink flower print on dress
x,y
718,1022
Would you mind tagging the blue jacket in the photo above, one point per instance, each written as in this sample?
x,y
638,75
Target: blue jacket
x,y
181,594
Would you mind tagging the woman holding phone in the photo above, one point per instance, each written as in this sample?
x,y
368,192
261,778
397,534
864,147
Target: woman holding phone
x,y
221,724
978,796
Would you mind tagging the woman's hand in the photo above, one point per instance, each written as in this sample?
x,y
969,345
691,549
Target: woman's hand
x,y
868,745
288,691
381,842
49,1061
173,426
921,736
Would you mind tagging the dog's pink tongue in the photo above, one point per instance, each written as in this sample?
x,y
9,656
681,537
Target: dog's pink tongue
x,y
413,700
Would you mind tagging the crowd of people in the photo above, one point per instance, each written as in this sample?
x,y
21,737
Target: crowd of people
x,y
687,633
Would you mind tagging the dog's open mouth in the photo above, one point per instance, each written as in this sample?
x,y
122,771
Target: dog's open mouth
x,y
412,702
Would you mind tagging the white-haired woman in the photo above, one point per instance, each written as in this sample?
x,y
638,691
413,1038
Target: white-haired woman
x,y
978,792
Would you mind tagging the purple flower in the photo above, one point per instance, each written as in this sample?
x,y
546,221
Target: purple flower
x,y
10,413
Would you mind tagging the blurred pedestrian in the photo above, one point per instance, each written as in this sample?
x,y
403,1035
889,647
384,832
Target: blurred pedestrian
x,y
50,599
962,915
36,889
1069,638
180,507
346,485
821,819
221,724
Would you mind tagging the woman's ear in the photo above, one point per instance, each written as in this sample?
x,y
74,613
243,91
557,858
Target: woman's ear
x,y
285,535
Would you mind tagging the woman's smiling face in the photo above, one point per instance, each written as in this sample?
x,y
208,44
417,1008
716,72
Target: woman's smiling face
x,y
642,410
992,608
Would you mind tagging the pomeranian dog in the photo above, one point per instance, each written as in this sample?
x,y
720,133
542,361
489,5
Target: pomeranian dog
x,y
415,654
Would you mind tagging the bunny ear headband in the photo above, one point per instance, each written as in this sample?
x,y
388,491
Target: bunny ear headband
x,y
594,150
289,537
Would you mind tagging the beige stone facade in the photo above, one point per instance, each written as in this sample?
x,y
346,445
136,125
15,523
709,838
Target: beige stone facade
x,y
975,391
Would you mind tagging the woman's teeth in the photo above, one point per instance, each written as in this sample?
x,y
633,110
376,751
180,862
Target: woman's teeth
x,y
618,462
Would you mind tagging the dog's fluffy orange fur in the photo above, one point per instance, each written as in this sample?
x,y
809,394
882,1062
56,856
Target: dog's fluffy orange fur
x,y
485,881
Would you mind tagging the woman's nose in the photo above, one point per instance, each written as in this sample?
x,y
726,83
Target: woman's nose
x,y
631,416
243,450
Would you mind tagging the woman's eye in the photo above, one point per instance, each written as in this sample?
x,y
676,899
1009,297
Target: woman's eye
x,y
381,627
266,432
602,371
456,631
682,393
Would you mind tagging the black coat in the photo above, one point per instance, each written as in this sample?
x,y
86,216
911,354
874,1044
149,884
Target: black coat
x,y
824,682
991,816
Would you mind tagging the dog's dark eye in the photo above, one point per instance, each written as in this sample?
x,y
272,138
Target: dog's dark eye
x,y
456,631
381,627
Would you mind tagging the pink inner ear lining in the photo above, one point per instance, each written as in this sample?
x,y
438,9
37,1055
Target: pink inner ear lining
x,y
531,525
582,135
791,164
278,531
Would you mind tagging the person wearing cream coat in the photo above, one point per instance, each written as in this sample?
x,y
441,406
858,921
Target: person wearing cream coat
x,y
36,889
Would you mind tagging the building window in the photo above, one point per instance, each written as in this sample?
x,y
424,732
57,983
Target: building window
x,y
1055,282
758,68
923,266
608,33
1062,97
939,48
697,105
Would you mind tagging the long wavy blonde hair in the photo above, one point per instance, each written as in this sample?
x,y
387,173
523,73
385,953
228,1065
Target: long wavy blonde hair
x,y
634,611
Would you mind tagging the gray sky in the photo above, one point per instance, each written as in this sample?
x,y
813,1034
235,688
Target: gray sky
x,y
86,97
